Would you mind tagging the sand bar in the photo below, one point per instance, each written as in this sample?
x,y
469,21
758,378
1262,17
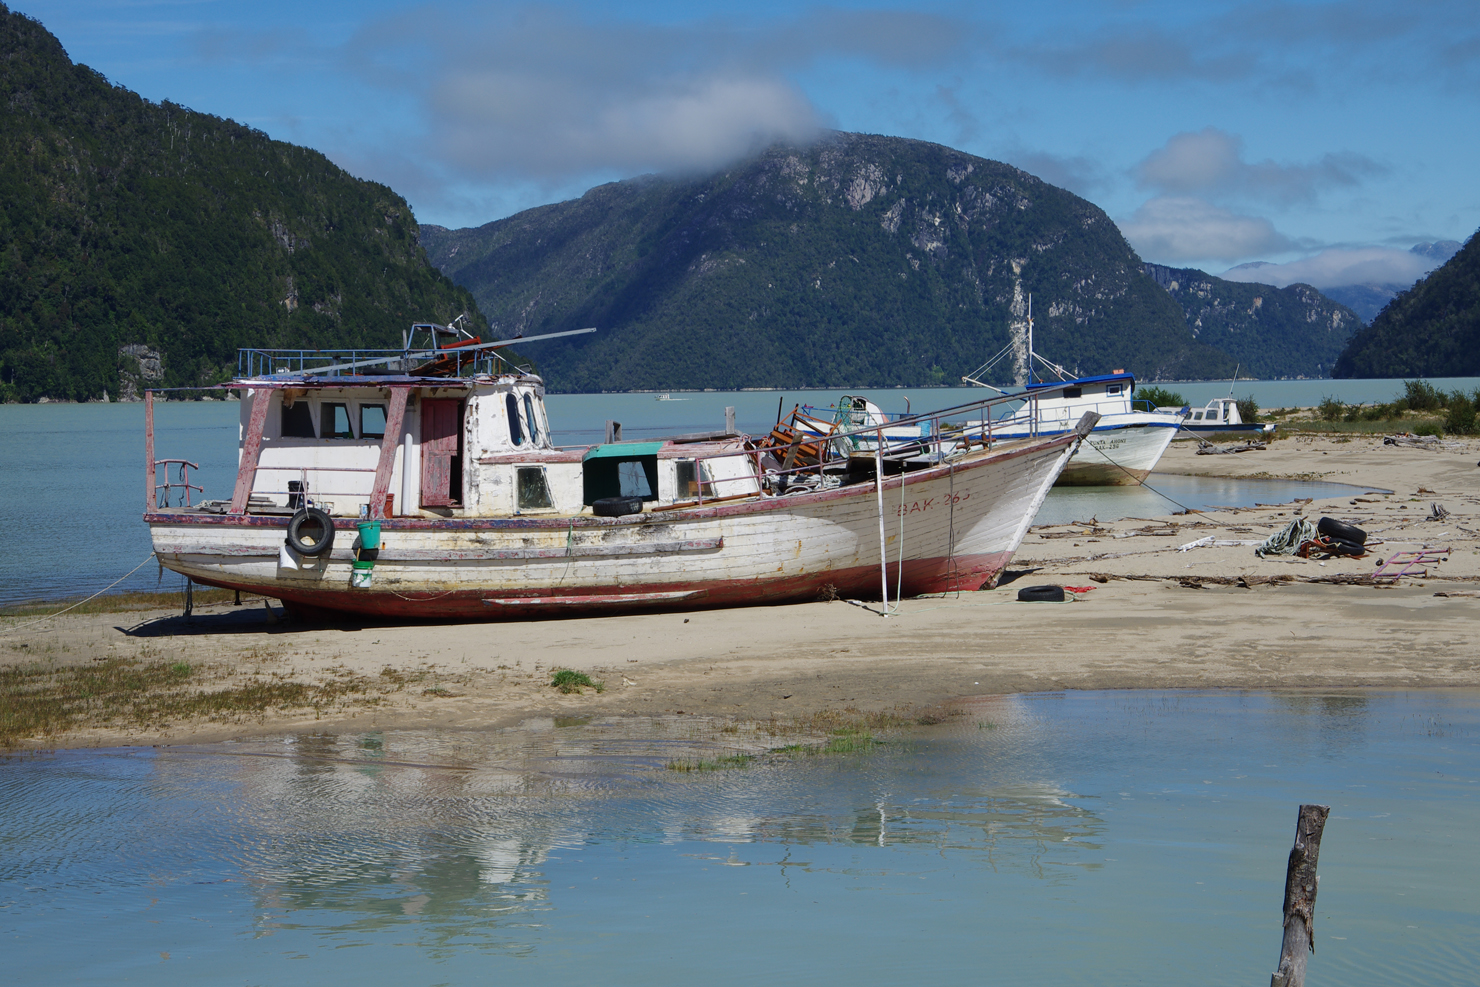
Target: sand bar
x,y
1152,617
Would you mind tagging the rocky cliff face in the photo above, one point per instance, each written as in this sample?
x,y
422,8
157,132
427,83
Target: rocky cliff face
x,y
857,261
1271,332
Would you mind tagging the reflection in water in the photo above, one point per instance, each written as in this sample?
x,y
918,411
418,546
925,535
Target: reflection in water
x,y
1051,838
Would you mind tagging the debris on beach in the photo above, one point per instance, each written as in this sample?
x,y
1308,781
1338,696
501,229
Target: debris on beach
x,y
1430,442
1328,537
1206,448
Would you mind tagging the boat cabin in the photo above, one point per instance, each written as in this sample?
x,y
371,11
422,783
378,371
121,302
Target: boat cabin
x,y
1058,407
472,446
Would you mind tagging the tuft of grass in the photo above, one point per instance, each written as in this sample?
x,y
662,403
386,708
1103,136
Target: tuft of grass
x,y
568,681
729,761
849,740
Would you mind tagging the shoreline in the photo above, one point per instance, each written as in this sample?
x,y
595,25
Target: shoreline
x,y
1151,617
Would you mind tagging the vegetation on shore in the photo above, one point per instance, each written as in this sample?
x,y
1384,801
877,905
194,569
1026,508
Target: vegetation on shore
x,y
43,699
1423,407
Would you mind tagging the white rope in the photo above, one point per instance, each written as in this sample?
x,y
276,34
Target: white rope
x,y
89,599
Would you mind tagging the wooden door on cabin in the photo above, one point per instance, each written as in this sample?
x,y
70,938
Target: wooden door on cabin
x,y
441,464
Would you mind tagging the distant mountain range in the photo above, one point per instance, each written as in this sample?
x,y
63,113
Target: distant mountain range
x,y
861,261
142,243
1369,297
1429,330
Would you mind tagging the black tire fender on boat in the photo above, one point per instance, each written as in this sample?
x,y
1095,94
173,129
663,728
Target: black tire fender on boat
x,y
1041,594
616,506
1332,528
311,532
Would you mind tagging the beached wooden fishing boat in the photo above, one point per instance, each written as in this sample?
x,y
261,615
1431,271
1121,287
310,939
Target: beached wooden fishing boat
x,y
403,495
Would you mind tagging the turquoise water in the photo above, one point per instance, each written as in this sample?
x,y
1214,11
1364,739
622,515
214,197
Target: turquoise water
x,y
72,483
1066,838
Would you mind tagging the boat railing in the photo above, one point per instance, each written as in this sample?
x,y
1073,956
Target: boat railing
x,y
254,364
161,492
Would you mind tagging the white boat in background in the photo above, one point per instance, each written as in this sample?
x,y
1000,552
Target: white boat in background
x,y
1218,416
431,490
1125,445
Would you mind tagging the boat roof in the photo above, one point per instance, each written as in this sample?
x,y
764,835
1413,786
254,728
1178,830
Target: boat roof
x,y
374,380
1078,381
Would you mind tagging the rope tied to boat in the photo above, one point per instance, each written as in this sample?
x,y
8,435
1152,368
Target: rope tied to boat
x,y
89,599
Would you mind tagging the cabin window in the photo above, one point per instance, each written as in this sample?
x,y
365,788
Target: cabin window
x,y
372,421
631,476
1073,392
1112,388
534,492
1197,416
516,433
298,420
689,474
335,418
531,421
633,479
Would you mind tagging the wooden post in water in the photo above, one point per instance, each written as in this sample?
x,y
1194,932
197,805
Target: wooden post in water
x,y
1300,897
729,421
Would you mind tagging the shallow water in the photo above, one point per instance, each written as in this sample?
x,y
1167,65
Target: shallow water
x,y
1069,838
72,483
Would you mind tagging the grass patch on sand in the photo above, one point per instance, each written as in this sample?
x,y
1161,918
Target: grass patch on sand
x,y
40,701
569,682
125,602
722,763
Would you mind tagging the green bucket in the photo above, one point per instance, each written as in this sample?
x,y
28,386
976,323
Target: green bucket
x,y
369,534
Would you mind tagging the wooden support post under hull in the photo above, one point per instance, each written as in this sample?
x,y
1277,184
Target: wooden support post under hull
x,y
388,445
246,473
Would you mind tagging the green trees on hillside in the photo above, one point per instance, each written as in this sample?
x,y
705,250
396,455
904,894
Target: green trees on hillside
x,y
1432,329
125,223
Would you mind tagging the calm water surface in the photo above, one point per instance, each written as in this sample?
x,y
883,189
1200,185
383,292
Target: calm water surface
x,y
1078,838
72,484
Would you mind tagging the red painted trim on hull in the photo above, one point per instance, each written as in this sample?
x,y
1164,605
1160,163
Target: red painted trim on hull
x,y
921,576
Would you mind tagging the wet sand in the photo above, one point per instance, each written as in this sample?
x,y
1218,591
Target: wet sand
x,y
1152,617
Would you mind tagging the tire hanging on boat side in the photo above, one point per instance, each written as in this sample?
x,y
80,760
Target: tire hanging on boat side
x,y
311,532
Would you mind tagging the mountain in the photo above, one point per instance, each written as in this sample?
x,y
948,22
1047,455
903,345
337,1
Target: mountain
x,y
142,243
859,261
1272,332
1367,298
1430,330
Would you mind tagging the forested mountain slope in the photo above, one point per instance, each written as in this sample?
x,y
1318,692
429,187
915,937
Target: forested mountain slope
x,y
1430,330
1272,332
153,240
858,261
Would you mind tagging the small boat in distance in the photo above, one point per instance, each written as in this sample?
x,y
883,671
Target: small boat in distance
x,y
425,485
1218,416
670,397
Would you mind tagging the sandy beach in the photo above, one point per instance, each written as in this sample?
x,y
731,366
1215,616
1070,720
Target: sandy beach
x,y
1147,616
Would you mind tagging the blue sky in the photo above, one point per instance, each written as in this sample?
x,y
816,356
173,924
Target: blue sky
x,y
1329,136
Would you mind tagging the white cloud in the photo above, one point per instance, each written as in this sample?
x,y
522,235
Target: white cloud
x,y
546,94
1183,229
1211,162
1338,267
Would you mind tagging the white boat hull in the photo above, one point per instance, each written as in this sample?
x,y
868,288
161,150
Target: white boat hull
x,y
950,527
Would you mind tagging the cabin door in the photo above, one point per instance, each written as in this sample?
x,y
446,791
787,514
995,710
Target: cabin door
x,y
441,459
